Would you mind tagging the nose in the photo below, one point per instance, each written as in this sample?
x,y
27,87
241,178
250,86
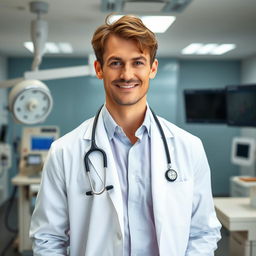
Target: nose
x,y
126,73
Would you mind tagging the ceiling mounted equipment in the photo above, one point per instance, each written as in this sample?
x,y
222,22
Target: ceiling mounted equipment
x,y
169,5
39,31
176,5
30,100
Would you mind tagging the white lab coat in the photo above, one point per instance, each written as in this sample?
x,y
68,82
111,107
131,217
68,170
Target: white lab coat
x,y
185,220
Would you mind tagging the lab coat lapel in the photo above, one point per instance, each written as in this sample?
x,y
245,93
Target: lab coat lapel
x,y
158,168
111,172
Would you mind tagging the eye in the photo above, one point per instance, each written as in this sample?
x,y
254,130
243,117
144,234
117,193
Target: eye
x,y
115,63
138,63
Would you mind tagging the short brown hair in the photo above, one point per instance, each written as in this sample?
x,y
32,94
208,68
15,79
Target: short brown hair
x,y
128,27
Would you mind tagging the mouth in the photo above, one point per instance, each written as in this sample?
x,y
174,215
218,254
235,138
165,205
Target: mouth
x,y
127,85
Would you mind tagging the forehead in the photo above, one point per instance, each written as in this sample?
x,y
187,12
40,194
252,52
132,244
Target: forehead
x,y
123,48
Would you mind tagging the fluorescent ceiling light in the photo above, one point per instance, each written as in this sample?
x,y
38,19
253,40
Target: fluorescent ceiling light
x,y
223,48
29,46
210,49
192,48
206,49
51,47
114,18
157,24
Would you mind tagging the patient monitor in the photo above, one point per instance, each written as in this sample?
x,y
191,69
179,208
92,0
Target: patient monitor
x,y
35,144
243,151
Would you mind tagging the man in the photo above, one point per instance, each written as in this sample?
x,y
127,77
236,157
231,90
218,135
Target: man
x,y
143,211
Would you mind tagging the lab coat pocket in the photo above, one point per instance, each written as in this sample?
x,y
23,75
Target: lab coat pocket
x,y
176,217
179,198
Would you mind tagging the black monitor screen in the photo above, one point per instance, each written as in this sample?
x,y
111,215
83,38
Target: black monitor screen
x,y
241,105
205,106
242,150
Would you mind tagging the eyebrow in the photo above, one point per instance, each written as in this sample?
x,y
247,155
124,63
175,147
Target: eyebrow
x,y
133,59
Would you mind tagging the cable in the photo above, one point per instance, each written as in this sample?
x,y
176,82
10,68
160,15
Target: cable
x,y
8,211
6,221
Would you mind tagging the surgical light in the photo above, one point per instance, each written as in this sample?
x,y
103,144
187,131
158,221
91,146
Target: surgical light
x,y
30,101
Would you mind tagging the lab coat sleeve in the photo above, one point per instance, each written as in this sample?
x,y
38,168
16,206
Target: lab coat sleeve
x,y
205,227
49,224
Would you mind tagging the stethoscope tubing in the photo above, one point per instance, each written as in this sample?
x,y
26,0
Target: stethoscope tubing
x,y
167,153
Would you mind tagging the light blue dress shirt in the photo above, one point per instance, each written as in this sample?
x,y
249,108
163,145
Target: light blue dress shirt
x,y
134,171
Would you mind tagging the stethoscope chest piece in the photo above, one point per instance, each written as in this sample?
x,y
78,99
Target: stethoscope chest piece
x,y
171,175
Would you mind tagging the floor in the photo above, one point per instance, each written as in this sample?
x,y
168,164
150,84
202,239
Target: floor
x,y
7,237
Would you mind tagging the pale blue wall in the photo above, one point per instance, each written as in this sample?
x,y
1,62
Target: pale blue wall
x,y
216,137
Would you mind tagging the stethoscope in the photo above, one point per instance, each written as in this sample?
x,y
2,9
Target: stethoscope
x,y
170,174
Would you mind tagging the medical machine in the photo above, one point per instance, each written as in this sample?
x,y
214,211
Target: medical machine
x,y
243,151
5,165
35,144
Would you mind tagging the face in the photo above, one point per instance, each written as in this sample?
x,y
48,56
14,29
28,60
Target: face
x,y
126,72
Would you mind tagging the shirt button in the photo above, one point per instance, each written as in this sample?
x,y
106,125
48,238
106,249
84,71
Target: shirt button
x,y
119,236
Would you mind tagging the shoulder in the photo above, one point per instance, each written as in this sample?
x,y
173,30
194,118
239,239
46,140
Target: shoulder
x,y
189,148
179,133
73,137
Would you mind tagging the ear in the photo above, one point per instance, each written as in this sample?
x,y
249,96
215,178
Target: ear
x,y
153,69
98,69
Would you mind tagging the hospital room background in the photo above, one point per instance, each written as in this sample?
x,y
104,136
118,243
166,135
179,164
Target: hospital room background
x,y
77,99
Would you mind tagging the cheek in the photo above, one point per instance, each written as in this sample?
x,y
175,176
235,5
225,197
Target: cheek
x,y
111,75
144,75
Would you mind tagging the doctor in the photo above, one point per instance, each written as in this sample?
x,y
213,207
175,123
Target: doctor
x,y
143,212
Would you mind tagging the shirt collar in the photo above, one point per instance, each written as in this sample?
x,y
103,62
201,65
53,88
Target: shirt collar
x,y
109,122
112,127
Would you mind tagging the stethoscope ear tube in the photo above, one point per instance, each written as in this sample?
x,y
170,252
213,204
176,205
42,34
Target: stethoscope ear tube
x,y
93,149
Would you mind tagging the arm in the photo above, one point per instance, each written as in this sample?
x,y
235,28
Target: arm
x,y
205,227
50,224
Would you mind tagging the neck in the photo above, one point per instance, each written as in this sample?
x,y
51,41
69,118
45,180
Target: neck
x,y
129,117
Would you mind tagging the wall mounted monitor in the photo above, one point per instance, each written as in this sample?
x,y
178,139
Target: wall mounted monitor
x,y
241,105
205,105
243,151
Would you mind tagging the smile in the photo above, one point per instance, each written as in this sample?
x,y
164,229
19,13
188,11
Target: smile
x,y
129,86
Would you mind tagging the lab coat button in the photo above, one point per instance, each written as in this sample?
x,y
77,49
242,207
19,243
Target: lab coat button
x,y
119,236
